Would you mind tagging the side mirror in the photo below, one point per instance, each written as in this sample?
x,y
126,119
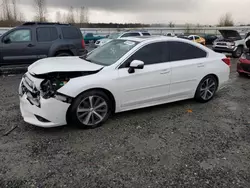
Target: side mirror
x,y
135,64
6,40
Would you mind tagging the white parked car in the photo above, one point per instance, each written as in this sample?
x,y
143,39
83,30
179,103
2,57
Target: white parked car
x,y
170,34
232,42
119,35
124,74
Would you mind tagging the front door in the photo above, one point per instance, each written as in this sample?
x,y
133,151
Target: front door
x,y
147,86
17,47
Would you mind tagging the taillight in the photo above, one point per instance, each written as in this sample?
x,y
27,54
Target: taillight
x,y
227,61
83,44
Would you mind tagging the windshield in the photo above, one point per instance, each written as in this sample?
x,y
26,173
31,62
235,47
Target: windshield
x,y
114,35
111,52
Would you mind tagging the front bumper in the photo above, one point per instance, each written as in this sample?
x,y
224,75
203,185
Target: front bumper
x,y
243,67
49,113
223,49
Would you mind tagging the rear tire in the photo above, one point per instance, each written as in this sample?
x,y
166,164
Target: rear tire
x,y
238,52
206,89
90,109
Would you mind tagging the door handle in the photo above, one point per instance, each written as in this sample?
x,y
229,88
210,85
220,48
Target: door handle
x,y
165,71
31,45
200,65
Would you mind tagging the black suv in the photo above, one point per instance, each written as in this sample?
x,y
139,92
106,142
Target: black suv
x,y
31,41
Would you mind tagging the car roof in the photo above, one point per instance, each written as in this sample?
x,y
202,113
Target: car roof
x,y
41,24
153,38
140,38
145,39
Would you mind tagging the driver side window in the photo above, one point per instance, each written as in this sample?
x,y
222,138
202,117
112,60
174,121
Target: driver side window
x,y
149,54
21,35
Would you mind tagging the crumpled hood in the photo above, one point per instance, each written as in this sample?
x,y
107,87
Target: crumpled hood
x,y
62,64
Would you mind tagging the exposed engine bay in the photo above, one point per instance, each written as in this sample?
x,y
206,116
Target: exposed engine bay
x,y
50,83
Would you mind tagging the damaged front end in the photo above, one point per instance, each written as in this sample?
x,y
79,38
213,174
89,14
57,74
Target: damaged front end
x,y
47,85
40,102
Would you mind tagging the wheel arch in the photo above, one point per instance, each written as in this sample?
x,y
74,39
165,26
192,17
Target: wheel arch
x,y
63,51
197,95
211,74
106,91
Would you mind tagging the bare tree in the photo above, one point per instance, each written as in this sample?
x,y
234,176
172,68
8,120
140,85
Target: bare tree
x,y
14,10
82,16
188,28
171,24
71,17
77,13
86,15
7,15
41,9
65,18
226,20
59,16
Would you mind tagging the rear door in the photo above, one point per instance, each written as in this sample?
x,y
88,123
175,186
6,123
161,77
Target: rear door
x,y
188,67
45,37
17,46
72,35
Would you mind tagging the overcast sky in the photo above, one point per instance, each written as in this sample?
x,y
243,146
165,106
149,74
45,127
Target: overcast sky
x,y
150,11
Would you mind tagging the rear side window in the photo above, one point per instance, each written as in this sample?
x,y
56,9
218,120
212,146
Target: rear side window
x,y
70,33
145,34
46,34
196,37
130,34
184,51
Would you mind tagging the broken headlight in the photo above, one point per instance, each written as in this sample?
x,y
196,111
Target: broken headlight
x,y
49,87
55,80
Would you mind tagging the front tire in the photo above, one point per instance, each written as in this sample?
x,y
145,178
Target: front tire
x,y
238,52
90,109
206,89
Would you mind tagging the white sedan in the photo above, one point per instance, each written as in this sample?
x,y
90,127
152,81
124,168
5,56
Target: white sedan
x,y
124,74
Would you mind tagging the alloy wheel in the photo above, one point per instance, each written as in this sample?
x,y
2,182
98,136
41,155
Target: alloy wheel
x,y
92,110
208,88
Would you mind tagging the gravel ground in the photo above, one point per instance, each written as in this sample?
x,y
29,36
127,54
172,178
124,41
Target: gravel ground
x,y
183,144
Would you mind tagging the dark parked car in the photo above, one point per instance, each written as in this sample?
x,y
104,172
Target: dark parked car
x,y
90,37
209,38
31,41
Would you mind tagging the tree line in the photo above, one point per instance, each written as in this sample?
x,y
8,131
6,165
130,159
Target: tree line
x,y
10,16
